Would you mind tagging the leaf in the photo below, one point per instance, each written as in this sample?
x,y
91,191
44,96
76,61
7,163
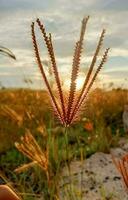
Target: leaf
x,y
7,52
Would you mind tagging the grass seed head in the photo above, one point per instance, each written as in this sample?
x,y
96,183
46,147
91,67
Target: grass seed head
x,y
68,109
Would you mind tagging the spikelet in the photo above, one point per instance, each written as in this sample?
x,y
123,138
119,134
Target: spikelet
x,y
85,92
87,79
103,60
75,68
49,45
100,43
55,106
25,167
30,148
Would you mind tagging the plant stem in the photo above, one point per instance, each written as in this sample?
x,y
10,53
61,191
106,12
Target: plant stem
x,y
67,148
81,172
67,156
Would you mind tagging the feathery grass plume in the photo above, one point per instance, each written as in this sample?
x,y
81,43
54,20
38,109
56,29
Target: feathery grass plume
x,y
68,109
122,166
49,45
94,59
89,85
32,150
40,65
7,52
75,68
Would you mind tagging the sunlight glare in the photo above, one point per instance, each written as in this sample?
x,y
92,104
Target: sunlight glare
x,y
79,83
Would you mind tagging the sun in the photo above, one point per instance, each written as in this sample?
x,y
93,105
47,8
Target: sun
x,y
79,83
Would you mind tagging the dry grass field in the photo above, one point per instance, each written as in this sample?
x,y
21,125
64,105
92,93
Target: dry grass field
x,y
99,128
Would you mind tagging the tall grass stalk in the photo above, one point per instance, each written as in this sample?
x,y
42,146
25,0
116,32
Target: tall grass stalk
x,y
66,107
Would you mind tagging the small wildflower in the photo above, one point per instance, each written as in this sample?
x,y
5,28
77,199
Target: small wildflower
x,y
88,126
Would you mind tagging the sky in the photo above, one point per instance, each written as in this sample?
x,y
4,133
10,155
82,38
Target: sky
x,y
63,19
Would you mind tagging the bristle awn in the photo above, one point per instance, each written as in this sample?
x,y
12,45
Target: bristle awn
x,y
49,45
90,69
104,58
43,74
75,68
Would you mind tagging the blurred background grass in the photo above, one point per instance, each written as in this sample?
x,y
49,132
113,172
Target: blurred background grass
x,y
99,128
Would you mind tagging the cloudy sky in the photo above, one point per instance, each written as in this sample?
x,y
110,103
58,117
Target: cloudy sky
x,y
63,19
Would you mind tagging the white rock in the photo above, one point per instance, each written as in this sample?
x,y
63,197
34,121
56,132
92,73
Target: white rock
x,y
98,179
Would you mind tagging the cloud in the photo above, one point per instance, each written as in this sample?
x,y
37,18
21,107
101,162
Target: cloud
x,y
63,19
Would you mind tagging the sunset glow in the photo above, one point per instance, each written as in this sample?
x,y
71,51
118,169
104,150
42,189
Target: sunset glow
x,y
79,83
103,14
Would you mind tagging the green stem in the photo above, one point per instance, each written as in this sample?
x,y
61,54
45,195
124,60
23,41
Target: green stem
x,y
67,156
81,172
67,148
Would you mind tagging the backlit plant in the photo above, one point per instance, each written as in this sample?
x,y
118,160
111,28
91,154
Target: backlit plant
x,y
68,108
